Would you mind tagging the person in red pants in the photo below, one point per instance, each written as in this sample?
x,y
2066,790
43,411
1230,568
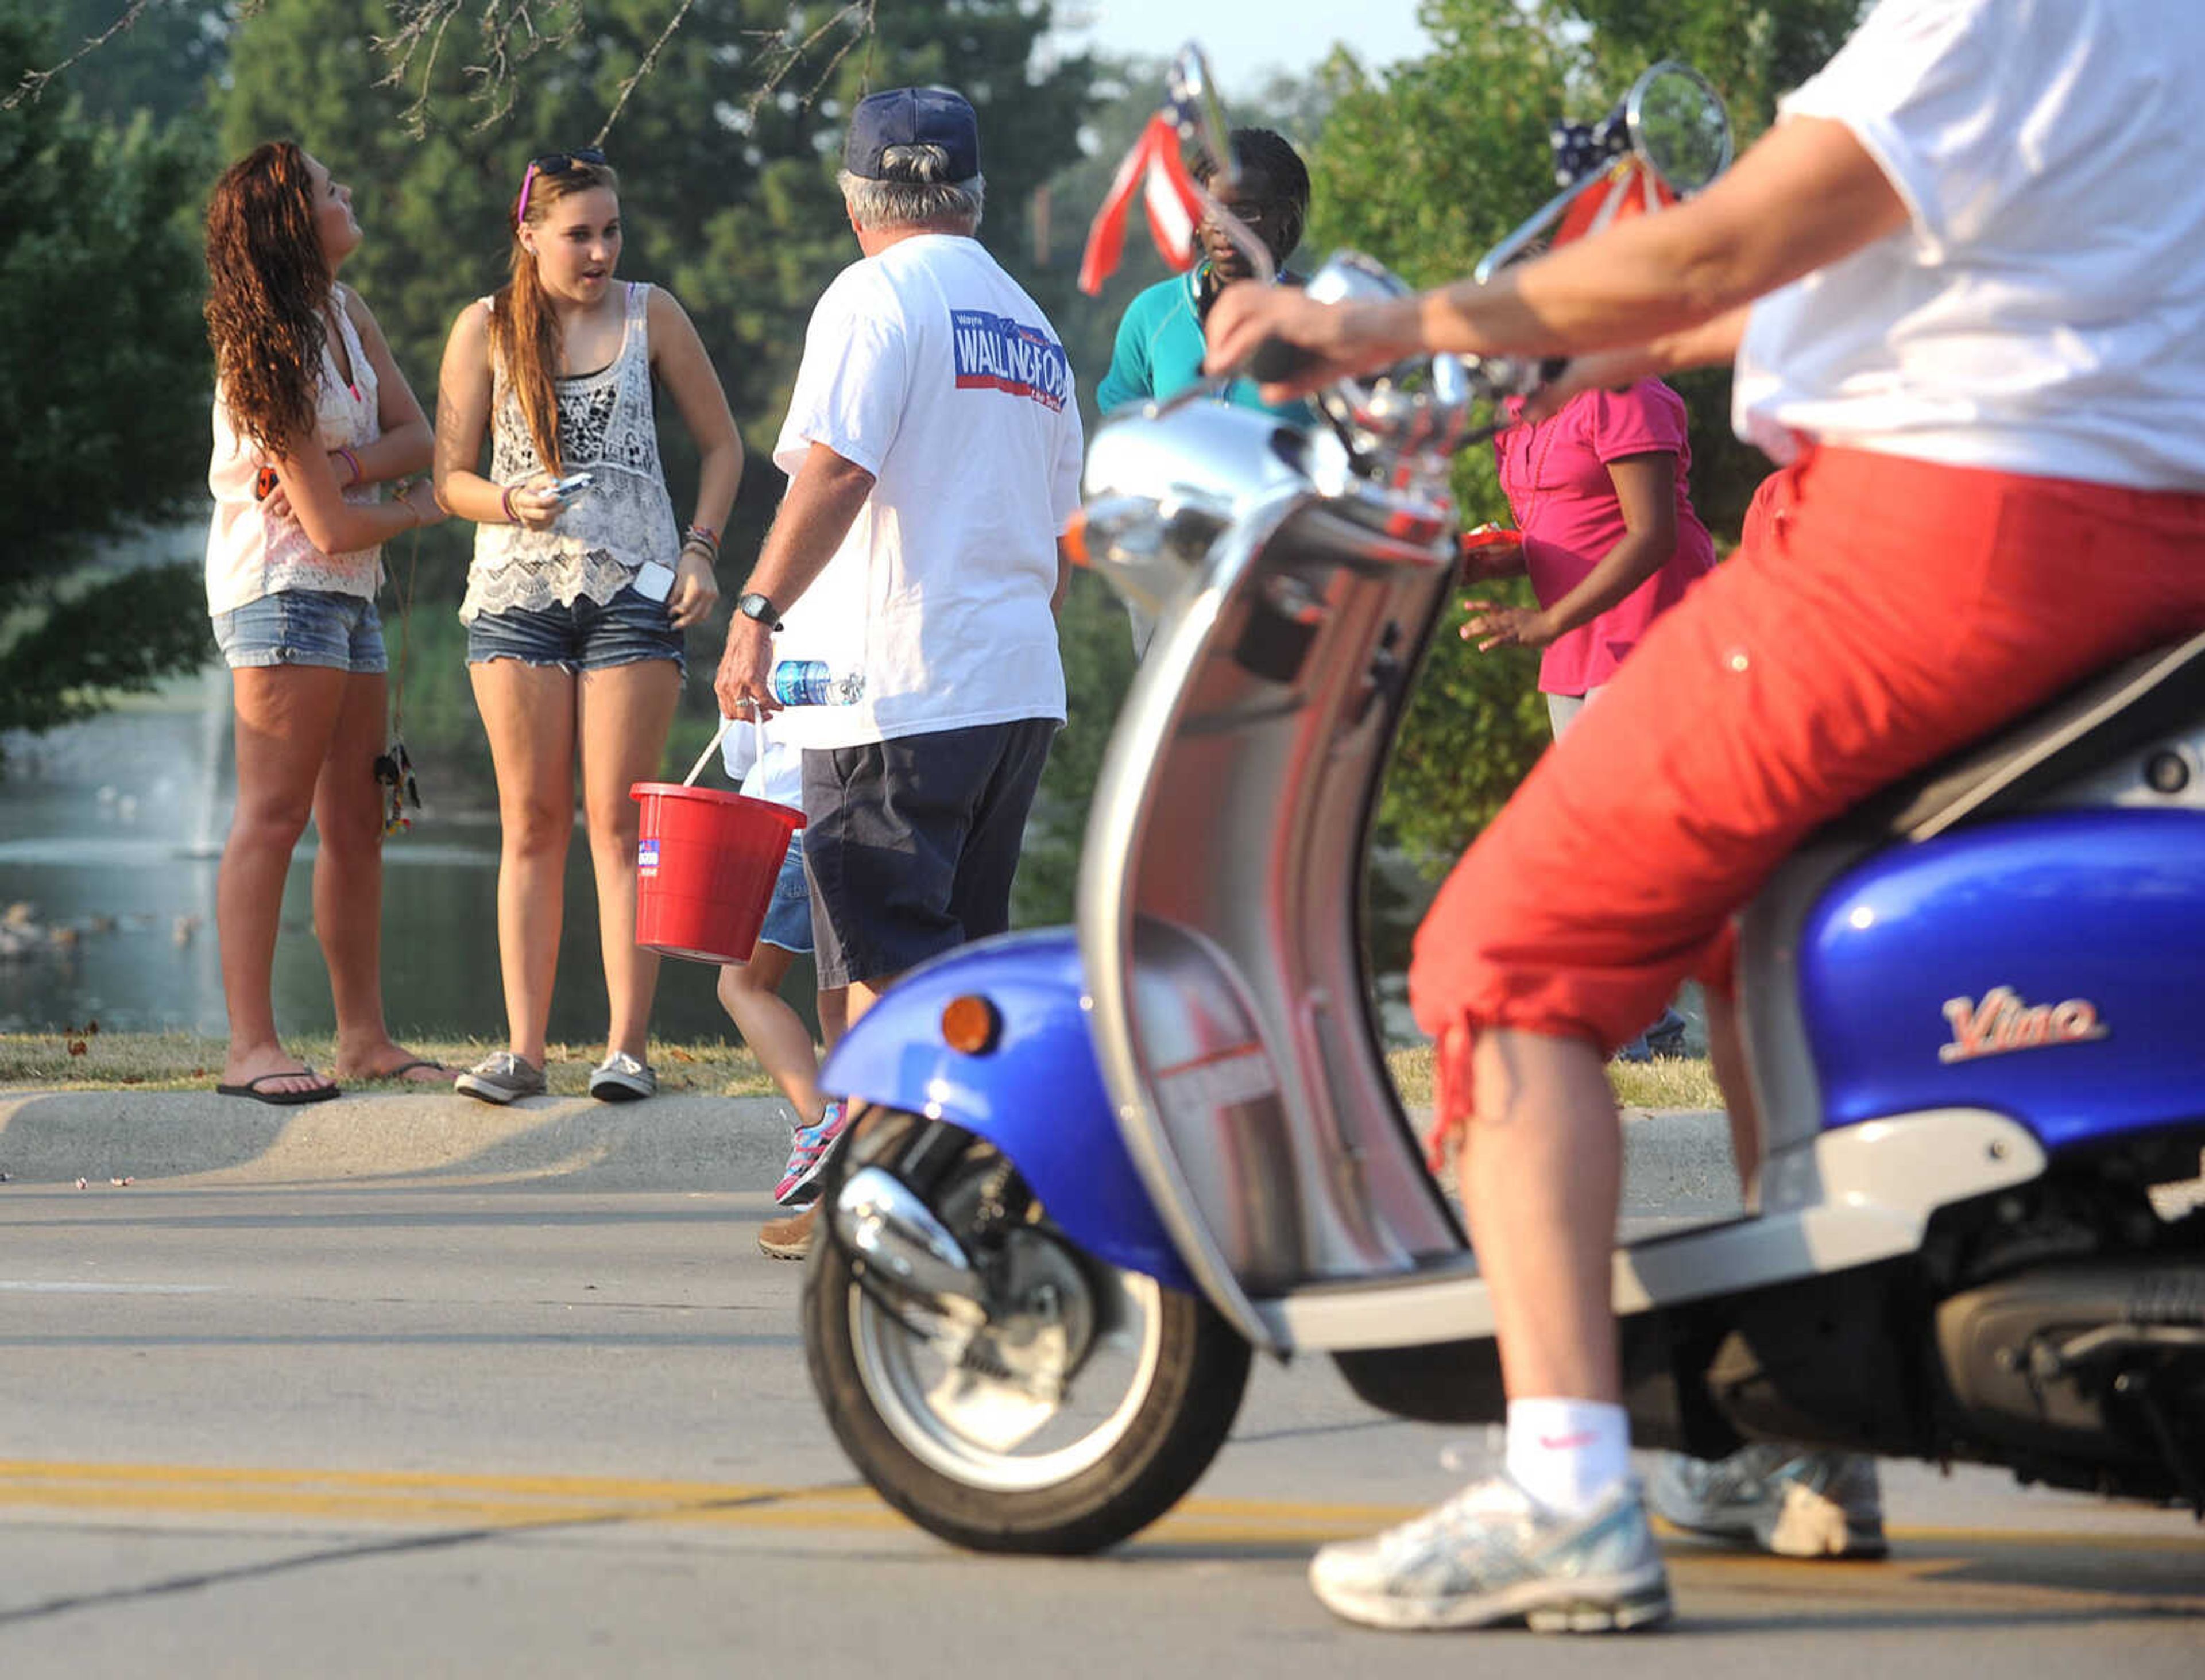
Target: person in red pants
x,y
1959,280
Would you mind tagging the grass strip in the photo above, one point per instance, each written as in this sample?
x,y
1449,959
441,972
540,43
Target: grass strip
x,y
176,1061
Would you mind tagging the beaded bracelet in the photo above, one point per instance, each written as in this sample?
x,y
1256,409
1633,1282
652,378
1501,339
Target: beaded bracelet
x,y
352,461
505,502
703,537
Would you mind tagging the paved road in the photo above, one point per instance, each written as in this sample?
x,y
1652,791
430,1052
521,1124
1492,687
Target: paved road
x,y
487,1428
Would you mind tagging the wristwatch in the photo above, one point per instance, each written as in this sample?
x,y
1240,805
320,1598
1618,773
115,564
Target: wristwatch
x,y
754,605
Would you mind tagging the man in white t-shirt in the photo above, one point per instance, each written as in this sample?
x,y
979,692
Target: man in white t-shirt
x,y
933,448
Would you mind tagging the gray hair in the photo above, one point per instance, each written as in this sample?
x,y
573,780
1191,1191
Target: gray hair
x,y
922,199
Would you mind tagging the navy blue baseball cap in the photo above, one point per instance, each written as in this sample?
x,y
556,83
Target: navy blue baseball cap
x,y
913,116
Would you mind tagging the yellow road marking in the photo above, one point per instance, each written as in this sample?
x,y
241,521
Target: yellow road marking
x,y
432,1498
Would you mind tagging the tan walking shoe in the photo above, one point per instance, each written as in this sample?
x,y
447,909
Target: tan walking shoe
x,y
1785,1500
788,1238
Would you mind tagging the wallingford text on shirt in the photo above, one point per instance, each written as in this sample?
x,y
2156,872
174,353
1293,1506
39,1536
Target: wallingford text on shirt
x,y
995,351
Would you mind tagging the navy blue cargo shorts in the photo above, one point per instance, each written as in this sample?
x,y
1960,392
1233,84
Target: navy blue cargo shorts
x,y
911,844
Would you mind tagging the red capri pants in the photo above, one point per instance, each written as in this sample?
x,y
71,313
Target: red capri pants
x,y
1880,612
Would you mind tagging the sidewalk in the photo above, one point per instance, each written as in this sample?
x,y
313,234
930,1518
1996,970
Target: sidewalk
x,y
667,1143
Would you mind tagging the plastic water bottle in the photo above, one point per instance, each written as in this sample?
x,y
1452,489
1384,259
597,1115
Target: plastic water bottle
x,y
810,682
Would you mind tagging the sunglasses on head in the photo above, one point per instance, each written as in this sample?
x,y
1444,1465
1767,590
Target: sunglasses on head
x,y
553,162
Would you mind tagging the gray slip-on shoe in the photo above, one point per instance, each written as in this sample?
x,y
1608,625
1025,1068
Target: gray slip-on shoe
x,y
500,1076
620,1078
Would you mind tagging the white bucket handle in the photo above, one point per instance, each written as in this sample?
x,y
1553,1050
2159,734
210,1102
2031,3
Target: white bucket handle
x,y
705,757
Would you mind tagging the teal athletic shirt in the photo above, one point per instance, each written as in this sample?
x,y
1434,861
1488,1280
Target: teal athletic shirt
x,y
1160,348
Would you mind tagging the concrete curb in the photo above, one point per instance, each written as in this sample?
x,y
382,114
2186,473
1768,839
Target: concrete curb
x,y
672,1143
1673,1158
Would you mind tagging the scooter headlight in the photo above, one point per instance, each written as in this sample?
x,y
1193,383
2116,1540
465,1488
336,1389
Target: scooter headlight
x,y
1143,545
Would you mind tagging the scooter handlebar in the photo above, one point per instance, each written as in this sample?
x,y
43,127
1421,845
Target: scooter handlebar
x,y
1275,360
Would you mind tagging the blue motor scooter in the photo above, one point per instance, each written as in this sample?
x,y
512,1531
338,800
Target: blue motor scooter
x,y
1096,1167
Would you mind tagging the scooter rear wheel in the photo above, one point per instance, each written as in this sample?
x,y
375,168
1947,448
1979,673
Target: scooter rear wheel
x,y
981,1460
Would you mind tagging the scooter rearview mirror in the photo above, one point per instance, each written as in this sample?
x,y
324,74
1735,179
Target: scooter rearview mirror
x,y
1205,136
1678,127
1671,122
1204,131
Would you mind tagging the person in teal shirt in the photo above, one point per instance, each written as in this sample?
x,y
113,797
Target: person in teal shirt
x,y
1159,346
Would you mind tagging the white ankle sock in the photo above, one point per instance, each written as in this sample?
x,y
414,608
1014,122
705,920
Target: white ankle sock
x,y
1566,1454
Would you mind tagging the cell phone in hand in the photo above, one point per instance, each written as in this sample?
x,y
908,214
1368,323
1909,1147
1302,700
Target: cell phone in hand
x,y
573,485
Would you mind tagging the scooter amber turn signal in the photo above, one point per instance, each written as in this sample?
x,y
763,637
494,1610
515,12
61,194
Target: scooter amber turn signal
x,y
971,1025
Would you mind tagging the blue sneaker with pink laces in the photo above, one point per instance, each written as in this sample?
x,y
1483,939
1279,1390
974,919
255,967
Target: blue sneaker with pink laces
x,y
808,1156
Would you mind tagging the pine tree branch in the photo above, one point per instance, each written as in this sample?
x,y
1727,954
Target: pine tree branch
x,y
782,55
510,35
649,62
34,82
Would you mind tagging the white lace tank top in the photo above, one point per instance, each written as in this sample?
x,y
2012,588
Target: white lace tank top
x,y
250,552
607,429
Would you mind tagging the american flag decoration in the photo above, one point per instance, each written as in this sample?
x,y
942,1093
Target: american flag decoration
x,y
1155,170
1632,189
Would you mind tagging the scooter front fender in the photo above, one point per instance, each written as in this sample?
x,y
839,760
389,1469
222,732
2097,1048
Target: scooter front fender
x,y
1035,1093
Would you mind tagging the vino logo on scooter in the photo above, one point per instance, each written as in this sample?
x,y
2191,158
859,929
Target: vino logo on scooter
x,y
2002,1023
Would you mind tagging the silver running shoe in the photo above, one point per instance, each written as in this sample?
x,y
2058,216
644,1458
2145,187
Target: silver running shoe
x,y
1491,1555
1784,1499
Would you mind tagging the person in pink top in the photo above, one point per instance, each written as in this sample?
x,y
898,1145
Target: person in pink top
x,y
1607,535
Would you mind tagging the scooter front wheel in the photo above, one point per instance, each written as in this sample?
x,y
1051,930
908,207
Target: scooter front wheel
x,y
1065,1406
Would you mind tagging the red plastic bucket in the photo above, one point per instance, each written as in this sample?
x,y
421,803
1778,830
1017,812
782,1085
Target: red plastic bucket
x,y
706,865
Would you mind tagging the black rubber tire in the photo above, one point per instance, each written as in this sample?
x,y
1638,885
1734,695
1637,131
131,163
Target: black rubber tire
x,y
1201,1373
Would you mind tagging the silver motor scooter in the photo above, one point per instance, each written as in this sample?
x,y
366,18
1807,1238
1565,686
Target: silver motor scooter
x,y
1092,1172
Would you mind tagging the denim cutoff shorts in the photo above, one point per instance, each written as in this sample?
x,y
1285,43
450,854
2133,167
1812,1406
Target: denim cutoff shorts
x,y
588,636
304,626
789,918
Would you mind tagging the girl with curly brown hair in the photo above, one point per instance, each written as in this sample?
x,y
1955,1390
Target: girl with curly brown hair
x,y
576,604
311,419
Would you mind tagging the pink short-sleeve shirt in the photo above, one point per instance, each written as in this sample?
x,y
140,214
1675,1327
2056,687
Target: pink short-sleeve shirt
x,y
1556,478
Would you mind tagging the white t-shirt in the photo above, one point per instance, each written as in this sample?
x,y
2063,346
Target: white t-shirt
x,y
928,366
761,764
2043,312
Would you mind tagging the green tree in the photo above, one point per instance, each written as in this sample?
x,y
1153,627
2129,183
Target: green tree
x,y
1753,50
1427,168
102,395
165,63
728,200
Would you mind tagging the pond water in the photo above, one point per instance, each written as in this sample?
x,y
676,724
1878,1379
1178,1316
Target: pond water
x,y
110,830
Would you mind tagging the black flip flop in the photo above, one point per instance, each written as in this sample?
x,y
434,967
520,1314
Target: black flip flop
x,y
281,1098
399,1072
